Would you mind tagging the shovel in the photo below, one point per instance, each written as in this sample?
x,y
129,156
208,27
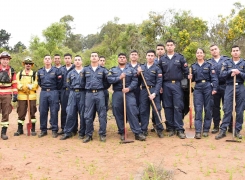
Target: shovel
x,y
124,118
190,133
153,103
29,124
234,113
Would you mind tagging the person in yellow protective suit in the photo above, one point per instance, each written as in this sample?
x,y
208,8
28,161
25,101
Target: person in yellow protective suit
x,y
27,86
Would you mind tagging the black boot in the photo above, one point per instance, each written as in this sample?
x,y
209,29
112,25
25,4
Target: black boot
x,y
3,133
33,133
220,135
20,130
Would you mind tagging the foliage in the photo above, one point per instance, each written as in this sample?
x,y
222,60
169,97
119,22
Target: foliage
x,y
189,33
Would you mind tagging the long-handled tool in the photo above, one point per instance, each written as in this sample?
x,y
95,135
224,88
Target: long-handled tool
x,y
29,124
234,112
124,118
152,102
189,133
190,103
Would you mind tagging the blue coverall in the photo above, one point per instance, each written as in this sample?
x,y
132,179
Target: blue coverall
x,y
50,82
64,94
206,82
95,83
225,73
153,78
219,96
174,70
76,103
131,82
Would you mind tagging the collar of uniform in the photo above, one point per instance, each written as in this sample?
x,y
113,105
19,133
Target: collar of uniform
x,y
92,68
30,73
240,60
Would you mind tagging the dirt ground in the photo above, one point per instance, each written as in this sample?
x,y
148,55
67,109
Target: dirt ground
x,y
27,157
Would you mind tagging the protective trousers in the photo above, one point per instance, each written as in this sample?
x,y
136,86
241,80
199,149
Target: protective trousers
x,y
218,97
23,107
6,108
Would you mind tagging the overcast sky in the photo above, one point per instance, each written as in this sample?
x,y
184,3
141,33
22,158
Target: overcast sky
x,y
24,18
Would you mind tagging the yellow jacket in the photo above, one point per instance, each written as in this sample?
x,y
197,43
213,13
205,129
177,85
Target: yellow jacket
x,y
22,85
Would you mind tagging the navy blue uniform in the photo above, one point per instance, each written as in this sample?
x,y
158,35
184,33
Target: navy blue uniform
x,y
76,103
95,83
206,82
64,94
153,78
131,82
174,70
225,73
137,89
50,82
219,96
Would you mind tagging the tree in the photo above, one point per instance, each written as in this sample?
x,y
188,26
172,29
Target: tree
x,y
54,35
19,47
4,38
229,30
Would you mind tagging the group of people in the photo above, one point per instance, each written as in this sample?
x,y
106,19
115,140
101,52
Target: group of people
x,y
83,91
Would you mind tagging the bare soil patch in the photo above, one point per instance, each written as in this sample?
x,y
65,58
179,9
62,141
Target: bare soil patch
x,y
27,157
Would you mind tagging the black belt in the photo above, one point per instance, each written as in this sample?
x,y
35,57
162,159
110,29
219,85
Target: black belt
x,y
148,87
202,81
222,83
48,89
94,90
77,90
238,83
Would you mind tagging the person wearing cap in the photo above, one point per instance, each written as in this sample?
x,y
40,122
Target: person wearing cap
x,y
27,86
8,91
50,81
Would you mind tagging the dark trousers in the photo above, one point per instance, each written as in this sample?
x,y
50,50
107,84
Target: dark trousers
x,y
203,99
23,107
132,111
145,103
6,108
49,100
95,102
173,105
75,106
228,107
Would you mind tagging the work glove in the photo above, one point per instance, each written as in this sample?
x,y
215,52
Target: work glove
x,y
25,89
29,86
14,98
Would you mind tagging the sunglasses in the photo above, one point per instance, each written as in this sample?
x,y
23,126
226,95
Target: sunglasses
x,y
28,63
